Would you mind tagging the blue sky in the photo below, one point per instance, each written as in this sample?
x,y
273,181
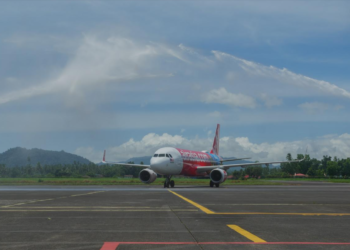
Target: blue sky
x,y
132,76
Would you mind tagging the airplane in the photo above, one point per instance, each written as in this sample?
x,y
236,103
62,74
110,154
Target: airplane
x,y
169,161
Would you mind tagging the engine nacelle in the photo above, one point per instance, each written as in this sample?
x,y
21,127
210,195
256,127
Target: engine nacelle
x,y
147,176
218,175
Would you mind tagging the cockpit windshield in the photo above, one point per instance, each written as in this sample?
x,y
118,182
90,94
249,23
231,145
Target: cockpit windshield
x,y
163,155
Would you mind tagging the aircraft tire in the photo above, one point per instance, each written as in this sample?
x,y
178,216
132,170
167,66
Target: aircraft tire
x,y
166,184
211,184
172,184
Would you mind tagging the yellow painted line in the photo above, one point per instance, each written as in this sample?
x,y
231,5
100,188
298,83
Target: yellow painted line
x,y
204,209
304,214
87,193
51,199
208,211
246,234
92,210
79,207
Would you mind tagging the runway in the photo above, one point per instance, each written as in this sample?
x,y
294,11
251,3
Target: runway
x,y
297,216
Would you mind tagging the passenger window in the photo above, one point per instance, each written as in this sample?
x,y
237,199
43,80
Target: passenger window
x,y
155,155
161,155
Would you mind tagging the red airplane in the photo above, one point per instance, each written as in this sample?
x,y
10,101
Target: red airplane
x,y
170,161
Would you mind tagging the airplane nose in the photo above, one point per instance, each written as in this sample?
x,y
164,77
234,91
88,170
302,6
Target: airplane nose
x,y
158,163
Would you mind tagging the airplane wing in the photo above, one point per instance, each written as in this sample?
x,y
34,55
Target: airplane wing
x,y
234,159
243,165
122,164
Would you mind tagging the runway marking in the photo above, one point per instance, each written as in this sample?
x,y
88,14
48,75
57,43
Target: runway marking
x,y
96,210
204,209
246,234
208,211
50,199
114,245
266,213
282,204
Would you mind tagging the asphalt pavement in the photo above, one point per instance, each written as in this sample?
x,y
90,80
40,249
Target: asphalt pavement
x,y
296,216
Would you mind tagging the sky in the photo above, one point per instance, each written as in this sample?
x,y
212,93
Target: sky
x,y
133,76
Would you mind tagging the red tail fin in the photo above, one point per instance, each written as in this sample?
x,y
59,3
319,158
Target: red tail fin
x,y
104,156
215,149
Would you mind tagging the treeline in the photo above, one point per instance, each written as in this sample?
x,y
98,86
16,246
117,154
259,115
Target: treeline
x,y
327,167
75,170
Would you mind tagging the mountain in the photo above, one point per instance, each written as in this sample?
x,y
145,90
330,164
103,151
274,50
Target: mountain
x,y
22,157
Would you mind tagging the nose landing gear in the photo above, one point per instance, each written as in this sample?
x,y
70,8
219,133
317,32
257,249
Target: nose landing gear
x,y
169,182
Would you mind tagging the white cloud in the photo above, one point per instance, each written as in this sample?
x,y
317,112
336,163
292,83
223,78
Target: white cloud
x,y
222,96
97,62
117,72
315,107
334,145
103,63
285,76
270,101
215,114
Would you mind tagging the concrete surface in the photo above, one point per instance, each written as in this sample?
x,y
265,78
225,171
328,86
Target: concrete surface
x,y
85,217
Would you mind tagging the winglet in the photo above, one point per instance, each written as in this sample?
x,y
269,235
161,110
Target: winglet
x,y
104,156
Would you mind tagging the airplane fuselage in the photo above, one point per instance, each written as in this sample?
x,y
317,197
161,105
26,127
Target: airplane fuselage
x,y
176,161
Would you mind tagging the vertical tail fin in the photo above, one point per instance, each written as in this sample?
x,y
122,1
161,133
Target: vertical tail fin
x,y
215,149
104,156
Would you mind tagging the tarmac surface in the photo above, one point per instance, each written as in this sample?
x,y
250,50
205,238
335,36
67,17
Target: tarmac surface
x,y
296,216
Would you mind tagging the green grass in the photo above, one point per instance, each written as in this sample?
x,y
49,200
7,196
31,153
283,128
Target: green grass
x,y
159,181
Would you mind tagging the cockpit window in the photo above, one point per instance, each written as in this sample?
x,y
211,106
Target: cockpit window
x,y
161,155
167,155
170,156
155,155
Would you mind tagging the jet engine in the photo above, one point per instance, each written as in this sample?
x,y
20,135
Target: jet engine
x,y
147,176
218,175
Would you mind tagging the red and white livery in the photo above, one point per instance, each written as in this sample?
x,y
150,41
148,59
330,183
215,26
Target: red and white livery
x,y
169,161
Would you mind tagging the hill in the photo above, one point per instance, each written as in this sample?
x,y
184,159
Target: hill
x,y
22,157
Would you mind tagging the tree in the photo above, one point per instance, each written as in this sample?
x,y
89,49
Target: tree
x,y
290,168
344,165
3,170
236,174
332,168
304,165
324,161
257,171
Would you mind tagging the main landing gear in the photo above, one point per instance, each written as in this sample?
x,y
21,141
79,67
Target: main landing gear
x,y
169,182
212,184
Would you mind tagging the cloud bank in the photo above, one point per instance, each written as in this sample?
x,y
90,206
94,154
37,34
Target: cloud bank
x,y
334,145
108,62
